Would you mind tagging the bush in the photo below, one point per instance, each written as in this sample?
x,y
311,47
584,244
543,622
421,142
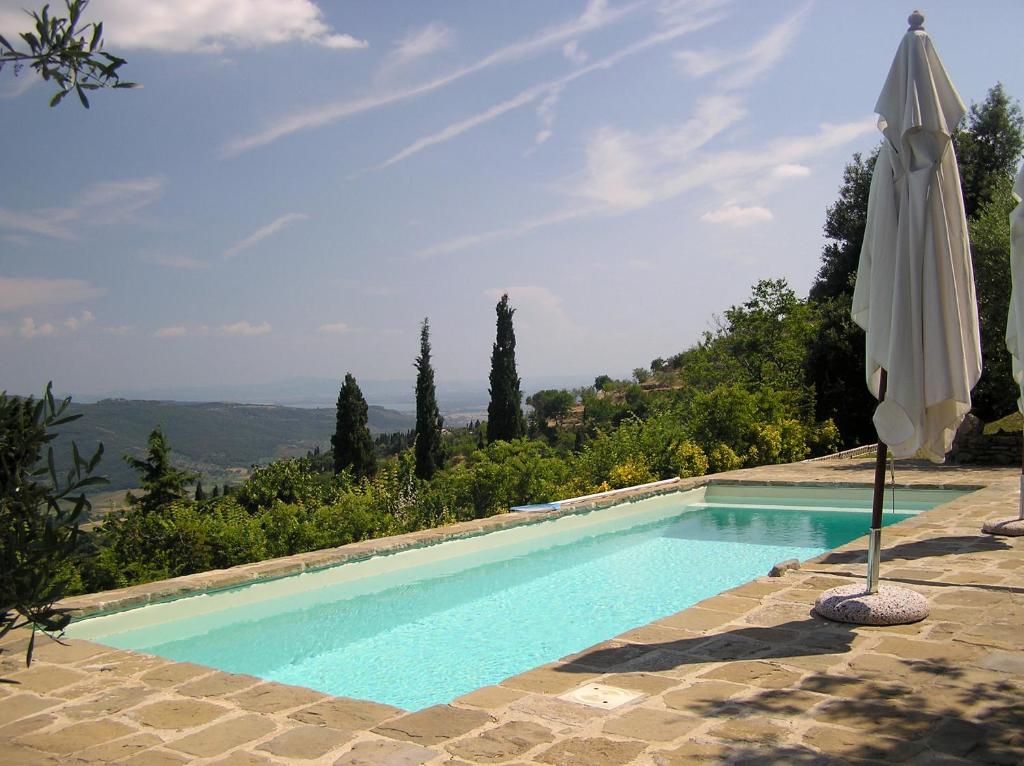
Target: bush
x,y
689,460
722,458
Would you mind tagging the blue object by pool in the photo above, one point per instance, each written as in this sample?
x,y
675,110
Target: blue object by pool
x,y
535,507
422,627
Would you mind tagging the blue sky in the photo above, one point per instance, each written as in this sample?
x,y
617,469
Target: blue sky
x,y
298,184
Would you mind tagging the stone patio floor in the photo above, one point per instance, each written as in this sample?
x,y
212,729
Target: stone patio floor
x,y
749,676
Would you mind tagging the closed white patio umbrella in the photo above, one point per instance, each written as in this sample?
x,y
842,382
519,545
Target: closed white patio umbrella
x,y
914,297
1014,525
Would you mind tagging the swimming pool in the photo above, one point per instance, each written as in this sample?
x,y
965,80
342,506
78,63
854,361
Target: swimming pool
x,y
424,626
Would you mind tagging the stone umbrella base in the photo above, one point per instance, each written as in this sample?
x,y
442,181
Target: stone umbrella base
x,y
890,606
1011,526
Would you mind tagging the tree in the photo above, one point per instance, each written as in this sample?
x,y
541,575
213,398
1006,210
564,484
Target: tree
x,y
996,394
200,494
550,404
66,51
429,447
352,443
39,515
845,222
162,481
505,419
988,148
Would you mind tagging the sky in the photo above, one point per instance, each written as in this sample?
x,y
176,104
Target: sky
x,y
298,184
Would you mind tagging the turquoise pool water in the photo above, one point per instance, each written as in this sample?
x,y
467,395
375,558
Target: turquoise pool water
x,y
424,633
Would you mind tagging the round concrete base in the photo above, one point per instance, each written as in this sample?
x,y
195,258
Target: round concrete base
x,y
1011,526
890,606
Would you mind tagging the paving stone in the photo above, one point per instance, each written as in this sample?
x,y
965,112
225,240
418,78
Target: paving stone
x,y
767,675
78,736
491,697
66,651
13,754
911,649
217,685
756,730
43,678
648,683
224,735
697,619
593,751
502,743
107,703
123,664
691,753
1005,662
434,724
118,750
173,674
273,698
651,725
18,706
156,758
178,714
305,742
554,710
386,753
698,698
242,758
860,746
346,714
26,726
548,680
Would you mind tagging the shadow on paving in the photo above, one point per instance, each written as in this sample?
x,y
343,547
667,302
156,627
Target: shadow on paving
x,y
892,722
813,636
910,551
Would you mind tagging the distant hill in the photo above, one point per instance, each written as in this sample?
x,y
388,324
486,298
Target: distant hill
x,y
219,440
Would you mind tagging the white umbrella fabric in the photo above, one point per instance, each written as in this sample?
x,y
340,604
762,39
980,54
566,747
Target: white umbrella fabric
x,y
914,296
1015,340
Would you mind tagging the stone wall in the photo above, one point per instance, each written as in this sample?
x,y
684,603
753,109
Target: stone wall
x,y
973,446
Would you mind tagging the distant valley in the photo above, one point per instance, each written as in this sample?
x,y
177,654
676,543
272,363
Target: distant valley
x,y
218,440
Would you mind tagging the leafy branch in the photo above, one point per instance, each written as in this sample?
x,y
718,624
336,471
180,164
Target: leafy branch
x,y
66,51
40,512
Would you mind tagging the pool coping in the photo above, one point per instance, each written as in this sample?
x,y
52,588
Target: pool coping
x,y
244,575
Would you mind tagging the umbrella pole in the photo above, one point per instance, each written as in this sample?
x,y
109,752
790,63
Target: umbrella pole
x,y
1021,512
875,535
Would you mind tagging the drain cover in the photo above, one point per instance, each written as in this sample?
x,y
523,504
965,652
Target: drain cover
x,y
601,696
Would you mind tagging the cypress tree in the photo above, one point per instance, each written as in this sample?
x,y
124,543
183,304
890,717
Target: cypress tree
x,y
163,482
505,419
216,491
353,445
429,449
200,495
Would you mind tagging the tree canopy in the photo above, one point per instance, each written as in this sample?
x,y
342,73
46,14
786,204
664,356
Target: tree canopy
x,y
352,443
504,412
162,482
429,447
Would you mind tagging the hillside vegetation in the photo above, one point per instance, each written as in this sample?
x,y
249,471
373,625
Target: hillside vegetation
x,y
217,440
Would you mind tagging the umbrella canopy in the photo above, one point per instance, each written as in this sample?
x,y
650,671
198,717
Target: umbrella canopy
x,y
1015,322
915,295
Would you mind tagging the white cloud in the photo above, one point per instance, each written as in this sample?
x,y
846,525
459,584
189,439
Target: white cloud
x,y
750,63
119,330
595,16
176,331
417,43
546,89
791,171
635,171
734,215
74,324
101,203
17,293
335,328
262,233
29,329
212,26
537,309
574,53
245,328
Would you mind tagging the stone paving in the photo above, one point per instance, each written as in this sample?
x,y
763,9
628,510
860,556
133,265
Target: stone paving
x,y
749,676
